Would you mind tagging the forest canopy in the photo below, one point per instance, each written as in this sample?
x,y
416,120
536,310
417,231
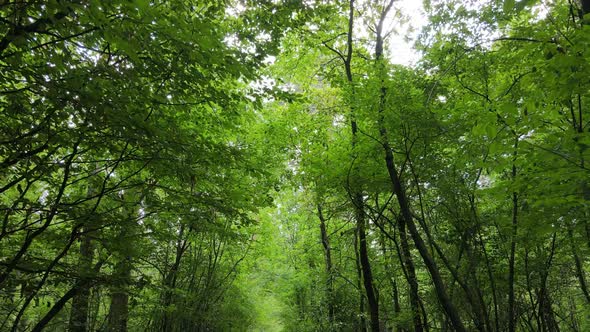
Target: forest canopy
x,y
268,165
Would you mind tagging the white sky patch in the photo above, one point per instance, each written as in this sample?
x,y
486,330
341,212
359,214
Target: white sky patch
x,y
484,181
141,213
404,35
263,37
541,11
263,82
43,197
338,120
235,10
71,123
269,60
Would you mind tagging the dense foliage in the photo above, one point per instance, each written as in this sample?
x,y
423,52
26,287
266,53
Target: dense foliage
x,y
264,165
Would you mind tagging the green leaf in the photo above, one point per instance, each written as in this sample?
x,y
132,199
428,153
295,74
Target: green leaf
x,y
508,5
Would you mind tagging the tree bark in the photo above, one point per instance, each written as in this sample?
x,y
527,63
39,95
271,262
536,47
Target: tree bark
x,y
440,288
80,303
170,280
511,259
356,193
545,305
58,306
579,268
400,192
396,306
119,310
362,321
372,301
328,258
411,275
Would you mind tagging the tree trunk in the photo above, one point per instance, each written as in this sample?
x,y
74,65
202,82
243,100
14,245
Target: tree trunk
x,y
579,268
545,305
57,307
119,310
80,303
406,214
372,301
362,321
328,258
511,300
411,275
399,189
170,280
396,306
489,268
356,192
59,304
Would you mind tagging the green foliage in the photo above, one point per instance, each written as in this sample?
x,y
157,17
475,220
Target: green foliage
x,y
201,165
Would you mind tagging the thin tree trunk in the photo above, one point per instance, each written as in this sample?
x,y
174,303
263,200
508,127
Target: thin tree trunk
x,y
366,267
356,193
528,273
578,127
411,275
57,307
400,191
511,259
474,297
170,280
489,269
396,306
59,304
80,303
328,258
394,288
545,305
119,309
579,268
362,321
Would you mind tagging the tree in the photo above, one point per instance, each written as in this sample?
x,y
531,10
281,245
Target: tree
x,y
205,165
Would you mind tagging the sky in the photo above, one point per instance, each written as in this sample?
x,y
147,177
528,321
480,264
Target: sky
x,y
400,48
